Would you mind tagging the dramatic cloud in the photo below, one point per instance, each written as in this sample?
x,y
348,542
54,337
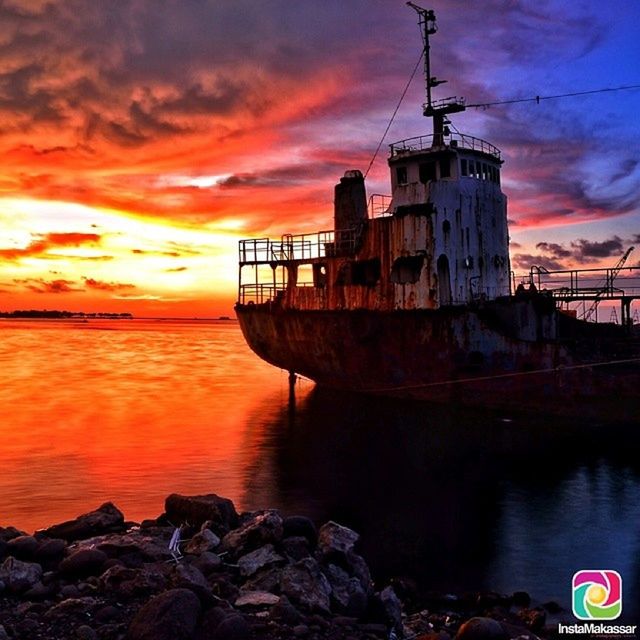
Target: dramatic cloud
x,y
38,285
555,256
91,283
236,117
42,245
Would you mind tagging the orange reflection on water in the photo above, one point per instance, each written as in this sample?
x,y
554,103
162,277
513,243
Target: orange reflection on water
x,y
128,411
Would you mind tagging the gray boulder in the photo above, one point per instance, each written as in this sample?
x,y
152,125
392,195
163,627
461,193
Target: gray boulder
x,y
258,559
258,529
204,540
334,538
19,576
305,584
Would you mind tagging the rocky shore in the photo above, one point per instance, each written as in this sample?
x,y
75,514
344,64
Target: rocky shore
x,y
201,571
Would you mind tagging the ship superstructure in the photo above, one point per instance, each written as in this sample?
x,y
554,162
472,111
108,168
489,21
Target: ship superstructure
x,y
413,293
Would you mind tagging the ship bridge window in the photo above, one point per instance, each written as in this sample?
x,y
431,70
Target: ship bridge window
x,y
427,171
445,168
401,175
464,170
407,269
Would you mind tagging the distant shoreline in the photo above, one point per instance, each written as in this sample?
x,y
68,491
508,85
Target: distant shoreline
x,y
45,314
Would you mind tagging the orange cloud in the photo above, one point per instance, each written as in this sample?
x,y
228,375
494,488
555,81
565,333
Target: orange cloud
x,y
43,244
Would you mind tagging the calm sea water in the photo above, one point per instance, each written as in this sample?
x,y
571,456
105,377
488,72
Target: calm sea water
x,y
131,411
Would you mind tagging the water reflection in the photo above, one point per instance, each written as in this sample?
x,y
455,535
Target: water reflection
x,y
456,499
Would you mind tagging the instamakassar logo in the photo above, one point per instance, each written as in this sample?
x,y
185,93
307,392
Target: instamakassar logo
x,y
597,594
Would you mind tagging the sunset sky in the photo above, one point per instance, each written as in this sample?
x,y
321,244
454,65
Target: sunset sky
x,y
141,139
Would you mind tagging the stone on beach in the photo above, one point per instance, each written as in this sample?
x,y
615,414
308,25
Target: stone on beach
x,y
82,563
334,538
256,599
202,541
105,519
172,615
196,510
305,584
258,529
19,576
258,559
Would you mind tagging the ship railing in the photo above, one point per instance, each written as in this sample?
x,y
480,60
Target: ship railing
x,y
453,140
301,247
379,205
576,284
258,293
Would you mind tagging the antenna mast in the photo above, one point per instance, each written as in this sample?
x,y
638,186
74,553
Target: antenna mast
x,y
436,110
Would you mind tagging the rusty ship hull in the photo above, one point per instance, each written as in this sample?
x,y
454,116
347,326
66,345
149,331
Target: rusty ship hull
x,y
457,355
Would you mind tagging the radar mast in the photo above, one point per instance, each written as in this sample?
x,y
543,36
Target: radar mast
x,y
437,110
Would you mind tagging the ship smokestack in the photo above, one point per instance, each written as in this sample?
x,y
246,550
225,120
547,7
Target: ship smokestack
x,y
350,204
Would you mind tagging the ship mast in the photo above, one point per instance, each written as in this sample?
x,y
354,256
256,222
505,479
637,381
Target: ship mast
x,y
440,109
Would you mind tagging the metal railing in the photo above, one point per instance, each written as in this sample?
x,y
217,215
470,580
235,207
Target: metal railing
x,y
258,293
587,284
302,247
454,140
378,206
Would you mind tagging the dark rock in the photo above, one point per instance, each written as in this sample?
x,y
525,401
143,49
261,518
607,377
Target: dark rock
x,y
300,526
135,548
296,548
521,599
481,629
357,566
127,582
202,541
9,533
3,633
172,615
50,552
392,607
334,538
346,592
256,599
82,563
285,612
40,591
106,519
207,562
22,547
258,530
70,591
85,632
189,577
210,622
265,580
71,606
198,509
233,627
303,583
107,613
259,559
300,630
19,576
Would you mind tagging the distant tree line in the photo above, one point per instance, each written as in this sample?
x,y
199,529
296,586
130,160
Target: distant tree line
x,y
46,313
